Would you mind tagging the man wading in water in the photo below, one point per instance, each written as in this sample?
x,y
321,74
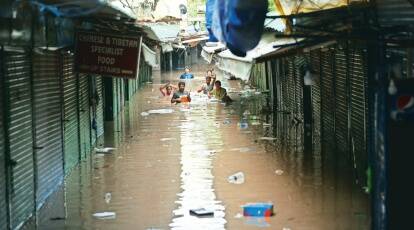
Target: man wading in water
x,y
181,95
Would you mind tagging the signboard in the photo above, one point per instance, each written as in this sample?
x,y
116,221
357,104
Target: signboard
x,y
106,54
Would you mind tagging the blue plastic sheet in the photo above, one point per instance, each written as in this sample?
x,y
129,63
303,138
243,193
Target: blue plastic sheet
x,y
237,23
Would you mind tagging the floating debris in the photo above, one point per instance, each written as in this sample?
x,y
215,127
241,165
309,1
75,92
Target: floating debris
x,y
105,215
144,114
266,125
201,212
243,125
105,150
168,139
267,138
258,209
238,216
279,172
237,178
160,111
108,197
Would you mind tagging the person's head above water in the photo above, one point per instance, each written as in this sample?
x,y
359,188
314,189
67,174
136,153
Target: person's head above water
x,y
181,86
168,89
217,84
187,69
208,79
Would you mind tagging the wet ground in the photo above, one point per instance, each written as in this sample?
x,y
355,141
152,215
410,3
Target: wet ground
x,y
166,164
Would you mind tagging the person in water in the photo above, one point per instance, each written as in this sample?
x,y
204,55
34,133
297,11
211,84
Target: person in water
x,y
219,93
181,95
209,85
167,89
187,74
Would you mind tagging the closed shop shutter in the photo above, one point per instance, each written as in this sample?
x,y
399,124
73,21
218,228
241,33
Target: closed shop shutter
x,y
17,80
341,100
115,96
300,63
84,115
93,108
3,202
100,108
70,113
48,123
290,85
359,110
327,99
315,63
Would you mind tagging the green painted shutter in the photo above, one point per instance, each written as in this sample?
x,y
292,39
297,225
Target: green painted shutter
x,y
21,191
71,121
48,123
3,201
84,115
100,108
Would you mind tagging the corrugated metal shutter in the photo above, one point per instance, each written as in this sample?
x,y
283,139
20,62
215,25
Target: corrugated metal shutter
x,y
395,12
100,108
70,108
84,115
3,202
341,100
115,96
359,110
93,108
315,62
48,123
17,74
300,63
327,99
290,102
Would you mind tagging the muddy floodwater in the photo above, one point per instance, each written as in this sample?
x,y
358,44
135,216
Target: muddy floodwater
x,y
173,158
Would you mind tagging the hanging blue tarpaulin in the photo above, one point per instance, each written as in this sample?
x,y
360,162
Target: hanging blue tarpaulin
x,y
237,23
209,19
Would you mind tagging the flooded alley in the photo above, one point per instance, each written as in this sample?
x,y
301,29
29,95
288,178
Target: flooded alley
x,y
173,158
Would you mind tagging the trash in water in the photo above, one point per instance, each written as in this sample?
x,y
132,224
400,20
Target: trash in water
x,y
104,150
266,125
57,218
105,215
246,112
279,172
168,139
257,92
226,122
255,123
258,209
108,197
160,111
267,138
149,102
201,212
243,125
242,149
253,118
286,228
144,114
237,178
238,216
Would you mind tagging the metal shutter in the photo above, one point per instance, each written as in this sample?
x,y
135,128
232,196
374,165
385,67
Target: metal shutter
x,y
315,62
17,80
84,115
290,74
100,108
3,201
341,100
70,113
48,123
300,62
359,110
327,99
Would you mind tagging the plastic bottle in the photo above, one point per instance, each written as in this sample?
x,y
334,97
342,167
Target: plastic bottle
x,y
237,178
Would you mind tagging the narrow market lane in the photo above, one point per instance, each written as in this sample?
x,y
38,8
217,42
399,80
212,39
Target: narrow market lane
x,y
173,158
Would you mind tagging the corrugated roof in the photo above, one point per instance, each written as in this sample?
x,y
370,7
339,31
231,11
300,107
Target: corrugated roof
x,y
162,32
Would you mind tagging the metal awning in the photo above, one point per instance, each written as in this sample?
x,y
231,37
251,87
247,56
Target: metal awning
x,y
150,56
